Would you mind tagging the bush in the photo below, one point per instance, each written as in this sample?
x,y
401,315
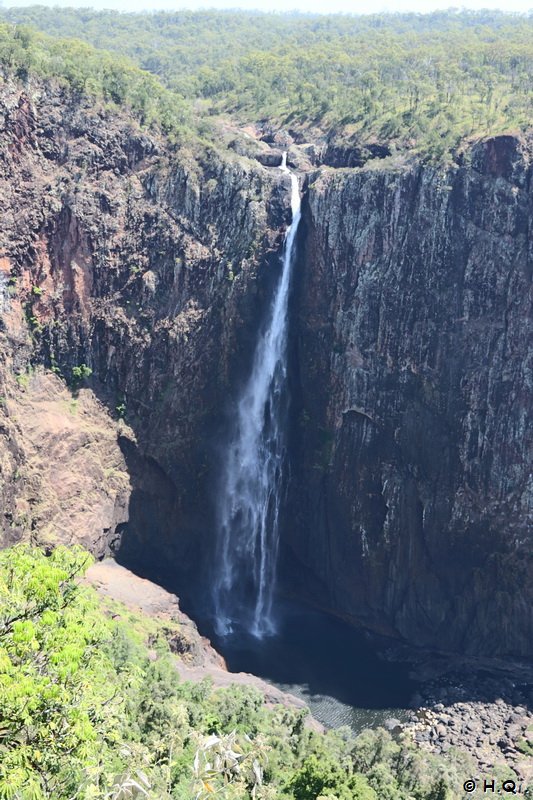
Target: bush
x,y
81,372
323,777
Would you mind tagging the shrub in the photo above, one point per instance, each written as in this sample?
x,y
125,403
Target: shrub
x,y
81,372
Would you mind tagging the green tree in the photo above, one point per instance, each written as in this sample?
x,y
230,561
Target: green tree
x,y
319,777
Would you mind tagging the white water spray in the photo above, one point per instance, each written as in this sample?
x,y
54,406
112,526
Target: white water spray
x,y
250,497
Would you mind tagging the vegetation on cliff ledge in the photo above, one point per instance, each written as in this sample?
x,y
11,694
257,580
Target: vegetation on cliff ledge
x,y
88,712
416,82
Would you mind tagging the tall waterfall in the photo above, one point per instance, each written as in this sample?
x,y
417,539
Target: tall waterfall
x,y
250,496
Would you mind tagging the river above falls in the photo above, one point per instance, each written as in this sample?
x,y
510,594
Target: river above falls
x,y
328,664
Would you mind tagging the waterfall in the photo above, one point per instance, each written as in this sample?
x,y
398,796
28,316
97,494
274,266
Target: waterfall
x,y
251,486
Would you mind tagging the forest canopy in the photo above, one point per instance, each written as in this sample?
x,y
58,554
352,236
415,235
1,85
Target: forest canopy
x,y
92,708
26,54
420,82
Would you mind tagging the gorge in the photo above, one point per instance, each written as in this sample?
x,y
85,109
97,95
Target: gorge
x,y
407,506
266,381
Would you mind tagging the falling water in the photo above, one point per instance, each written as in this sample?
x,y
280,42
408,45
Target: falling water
x,y
249,502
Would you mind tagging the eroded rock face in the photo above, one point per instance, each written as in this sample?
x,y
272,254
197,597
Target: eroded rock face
x,y
148,265
65,479
411,507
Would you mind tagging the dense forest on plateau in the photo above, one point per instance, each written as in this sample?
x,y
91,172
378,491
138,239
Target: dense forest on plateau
x,y
26,54
416,82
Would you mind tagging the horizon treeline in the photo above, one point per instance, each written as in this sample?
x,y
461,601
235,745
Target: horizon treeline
x,y
417,82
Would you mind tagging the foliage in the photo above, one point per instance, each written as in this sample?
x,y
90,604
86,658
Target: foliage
x,y
50,673
417,81
87,713
81,372
318,778
221,763
102,76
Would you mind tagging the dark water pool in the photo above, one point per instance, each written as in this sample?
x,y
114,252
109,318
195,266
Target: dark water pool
x,y
327,663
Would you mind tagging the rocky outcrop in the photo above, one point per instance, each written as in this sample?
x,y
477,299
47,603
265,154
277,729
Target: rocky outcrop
x,y
122,590
411,497
64,478
495,735
273,158
345,154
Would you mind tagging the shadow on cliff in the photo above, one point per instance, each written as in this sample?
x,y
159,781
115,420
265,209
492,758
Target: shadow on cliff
x,y
315,653
147,542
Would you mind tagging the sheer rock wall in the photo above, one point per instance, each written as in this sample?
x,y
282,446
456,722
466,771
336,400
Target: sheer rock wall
x,y
148,264
411,504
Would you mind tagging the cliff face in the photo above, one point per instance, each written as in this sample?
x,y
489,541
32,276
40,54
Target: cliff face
x,y
408,505
411,508
149,266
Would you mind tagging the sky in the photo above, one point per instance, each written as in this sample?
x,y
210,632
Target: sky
x,y
320,6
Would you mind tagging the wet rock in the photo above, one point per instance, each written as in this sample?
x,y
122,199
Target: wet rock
x,y
270,158
304,157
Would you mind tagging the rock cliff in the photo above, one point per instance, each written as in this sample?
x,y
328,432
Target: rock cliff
x,y
150,265
411,504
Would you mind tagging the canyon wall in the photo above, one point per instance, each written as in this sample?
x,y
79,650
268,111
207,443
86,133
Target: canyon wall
x,y
151,265
148,264
411,505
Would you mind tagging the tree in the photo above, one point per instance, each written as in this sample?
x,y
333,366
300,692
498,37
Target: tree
x,y
322,777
